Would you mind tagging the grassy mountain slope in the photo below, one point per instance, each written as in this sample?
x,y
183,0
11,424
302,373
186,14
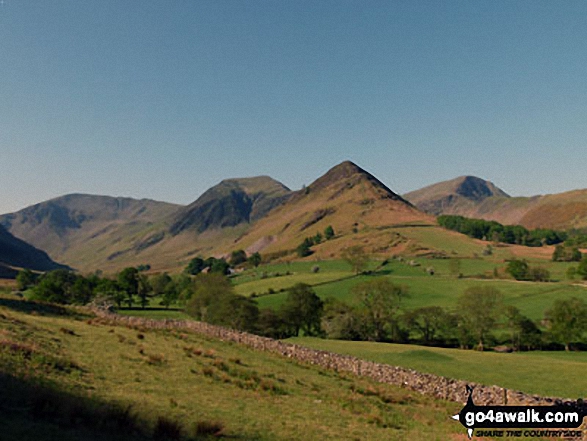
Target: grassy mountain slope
x,y
85,230
15,252
357,205
99,370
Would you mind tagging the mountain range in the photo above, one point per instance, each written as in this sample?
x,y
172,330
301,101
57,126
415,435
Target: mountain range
x,y
89,232
473,197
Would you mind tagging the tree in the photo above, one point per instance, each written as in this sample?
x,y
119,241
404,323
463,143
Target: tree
x,y
128,281
340,320
318,238
82,291
523,331
209,287
302,310
566,254
567,320
271,324
303,249
214,301
143,290
195,266
428,321
237,257
539,274
480,308
26,279
379,300
55,287
159,283
356,258
255,259
234,311
582,268
220,266
110,290
162,286
518,269
328,232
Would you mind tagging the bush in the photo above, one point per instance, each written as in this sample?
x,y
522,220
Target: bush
x,y
167,429
208,428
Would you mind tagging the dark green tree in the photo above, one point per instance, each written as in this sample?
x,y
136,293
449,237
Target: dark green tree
x,y
318,238
128,281
302,310
220,266
255,259
109,290
427,321
237,257
523,332
303,249
518,269
144,290
329,232
271,324
195,266
55,287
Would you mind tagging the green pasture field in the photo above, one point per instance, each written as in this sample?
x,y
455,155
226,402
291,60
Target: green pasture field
x,y
558,374
533,298
67,376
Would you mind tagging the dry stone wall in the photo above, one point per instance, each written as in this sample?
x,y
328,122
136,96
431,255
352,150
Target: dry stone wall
x,y
427,384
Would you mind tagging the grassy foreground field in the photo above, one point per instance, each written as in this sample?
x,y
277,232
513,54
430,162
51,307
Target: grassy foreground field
x,y
557,374
68,376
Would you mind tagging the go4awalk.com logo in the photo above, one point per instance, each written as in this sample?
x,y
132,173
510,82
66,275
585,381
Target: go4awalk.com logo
x,y
517,421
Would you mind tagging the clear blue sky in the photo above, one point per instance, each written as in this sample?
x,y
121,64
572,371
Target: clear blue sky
x,y
163,99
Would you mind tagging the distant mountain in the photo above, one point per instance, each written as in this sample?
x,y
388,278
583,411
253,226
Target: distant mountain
x,y
475,198
83,230
355,203
230,203
455,196
17,253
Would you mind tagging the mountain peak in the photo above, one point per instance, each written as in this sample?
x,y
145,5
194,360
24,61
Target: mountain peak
x,y
231,202
449,197
346,175
476,188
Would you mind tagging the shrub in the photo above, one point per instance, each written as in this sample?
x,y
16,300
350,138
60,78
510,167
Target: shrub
x,y
208,428
167,429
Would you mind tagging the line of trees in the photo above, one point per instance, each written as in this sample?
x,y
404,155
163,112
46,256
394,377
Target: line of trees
x,y
304,249
480,312
129,287
496,232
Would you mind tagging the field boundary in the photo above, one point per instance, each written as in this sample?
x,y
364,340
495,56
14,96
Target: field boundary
x,y
427,384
